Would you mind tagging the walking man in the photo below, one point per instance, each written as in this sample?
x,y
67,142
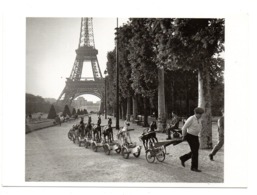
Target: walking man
x,y
221,136
190,132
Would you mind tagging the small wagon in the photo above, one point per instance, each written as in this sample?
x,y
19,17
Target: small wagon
x,y
158,150
109,146
128,148
155,149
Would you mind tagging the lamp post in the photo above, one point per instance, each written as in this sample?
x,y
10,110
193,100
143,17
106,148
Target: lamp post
x,y
117,84
105,96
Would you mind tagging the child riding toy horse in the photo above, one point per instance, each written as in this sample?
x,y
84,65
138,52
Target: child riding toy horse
x,y
149,135
108,132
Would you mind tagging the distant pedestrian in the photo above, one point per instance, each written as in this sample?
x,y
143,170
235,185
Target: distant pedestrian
x,y
221,136
89,125
110,121
99,121
174,125
190,132
58,120
82,127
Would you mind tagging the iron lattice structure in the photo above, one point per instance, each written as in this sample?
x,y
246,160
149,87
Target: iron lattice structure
x,y
86,52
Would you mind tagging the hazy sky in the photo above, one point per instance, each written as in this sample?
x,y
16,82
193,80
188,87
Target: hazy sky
x,y
50,51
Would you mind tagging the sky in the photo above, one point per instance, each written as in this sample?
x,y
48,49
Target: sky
x,y
50,51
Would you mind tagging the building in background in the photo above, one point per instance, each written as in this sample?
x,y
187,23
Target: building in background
x,y
82,103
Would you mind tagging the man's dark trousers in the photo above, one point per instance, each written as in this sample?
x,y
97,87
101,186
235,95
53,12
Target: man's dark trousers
x,y
194,144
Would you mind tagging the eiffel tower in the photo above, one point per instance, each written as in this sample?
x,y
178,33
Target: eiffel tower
x,y
86,52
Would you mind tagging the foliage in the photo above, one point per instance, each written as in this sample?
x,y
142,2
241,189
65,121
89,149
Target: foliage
x,y
85,111
111,81
181,46
66,111
36,104
73,111
144,73
124,36
52,113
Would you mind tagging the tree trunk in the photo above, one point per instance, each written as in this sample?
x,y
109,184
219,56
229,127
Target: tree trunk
x,y
128,108
161,101
124,109
135,110
204,101
146,112
173,96
187,98
120,109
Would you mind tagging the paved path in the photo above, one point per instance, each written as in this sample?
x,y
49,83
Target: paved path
x,y
51,156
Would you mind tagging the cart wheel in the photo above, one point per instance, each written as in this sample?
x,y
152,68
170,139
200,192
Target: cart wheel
x,y
94,147
137,154
69,136
160,156
85,144
125,153
149,157
118,150
106,149
76,140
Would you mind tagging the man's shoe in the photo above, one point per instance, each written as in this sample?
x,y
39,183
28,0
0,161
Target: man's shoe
x,y
211,157
196,170
169,138
182,162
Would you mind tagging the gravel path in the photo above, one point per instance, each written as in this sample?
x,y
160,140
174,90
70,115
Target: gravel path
x,y
51,156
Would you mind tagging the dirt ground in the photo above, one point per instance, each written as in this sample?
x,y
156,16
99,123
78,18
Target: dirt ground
x,y
52,157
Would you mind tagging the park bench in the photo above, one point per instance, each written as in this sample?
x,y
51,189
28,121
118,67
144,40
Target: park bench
x,y
140,120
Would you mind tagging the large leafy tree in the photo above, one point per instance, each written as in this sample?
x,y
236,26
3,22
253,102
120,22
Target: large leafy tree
x,y
144,69
111,81
144,74
124,36
191,44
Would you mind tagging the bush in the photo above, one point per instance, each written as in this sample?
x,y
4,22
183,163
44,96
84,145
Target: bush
x,y
66,111
52,113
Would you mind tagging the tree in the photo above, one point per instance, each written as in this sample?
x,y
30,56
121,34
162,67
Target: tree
x,y
111,81
144,74
66,111
124,36
36,104
52,113
85,111
191,44
73,111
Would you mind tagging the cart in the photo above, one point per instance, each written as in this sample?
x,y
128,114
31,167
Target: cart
x,y
157,149
126,147
88,142
130,148
109,146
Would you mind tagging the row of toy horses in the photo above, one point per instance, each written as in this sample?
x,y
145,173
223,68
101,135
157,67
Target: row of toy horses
x,y
98,134
92,131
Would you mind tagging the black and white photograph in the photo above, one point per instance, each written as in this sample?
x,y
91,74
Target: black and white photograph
x,y
126,100
159,75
